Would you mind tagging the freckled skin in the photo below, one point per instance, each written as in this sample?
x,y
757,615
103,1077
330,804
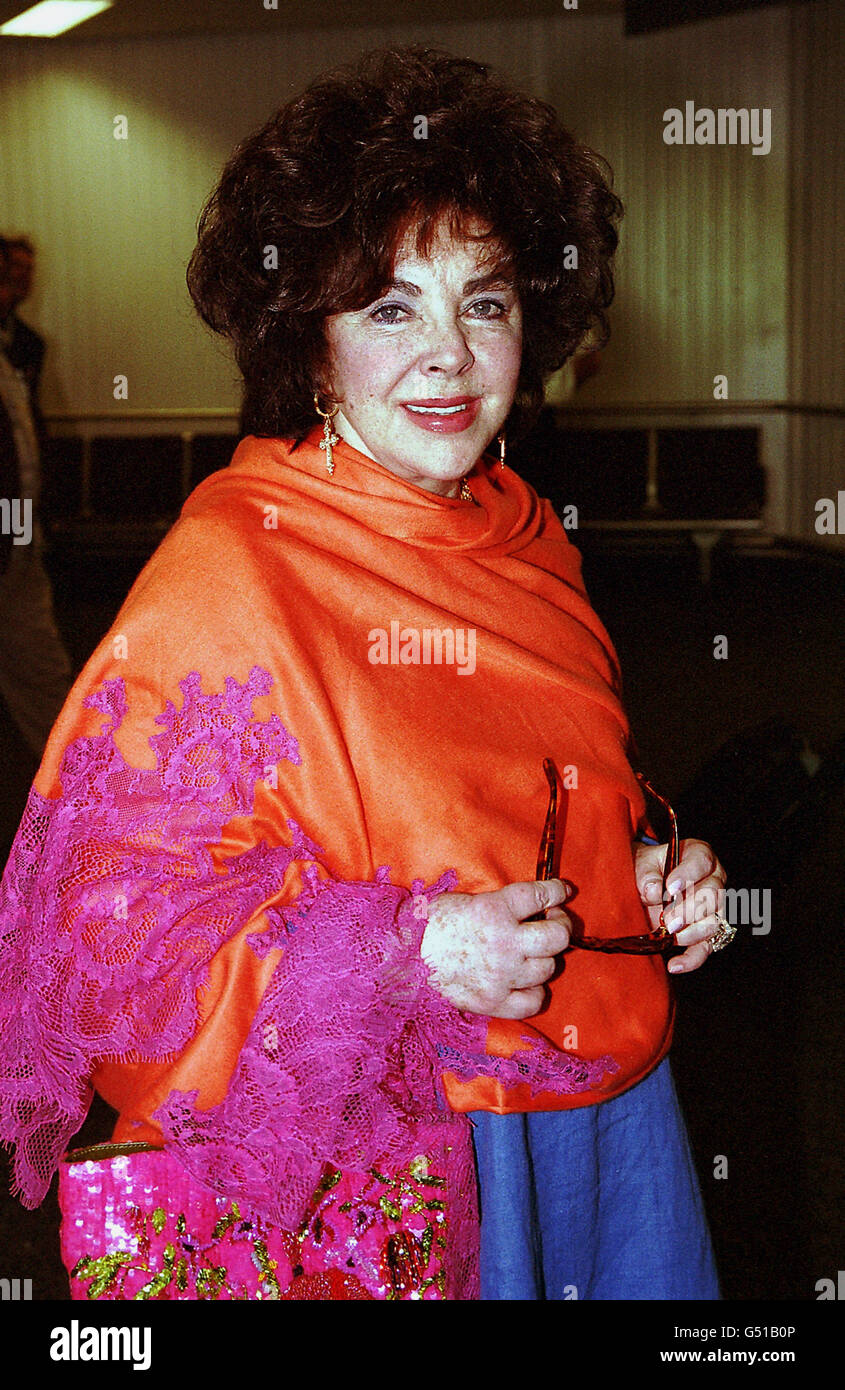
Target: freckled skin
x,y
435,334
447,339
485,958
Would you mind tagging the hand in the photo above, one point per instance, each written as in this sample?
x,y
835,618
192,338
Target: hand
x,y
700,880
485,957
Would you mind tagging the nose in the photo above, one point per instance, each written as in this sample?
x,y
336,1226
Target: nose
x,y
447,350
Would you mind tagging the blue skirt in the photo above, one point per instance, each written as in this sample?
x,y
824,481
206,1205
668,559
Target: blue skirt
x,y
597,1203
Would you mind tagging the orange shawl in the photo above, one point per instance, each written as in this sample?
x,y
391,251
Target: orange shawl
x,y
330,584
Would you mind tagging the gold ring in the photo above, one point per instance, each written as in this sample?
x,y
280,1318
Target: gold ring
x,y
724,936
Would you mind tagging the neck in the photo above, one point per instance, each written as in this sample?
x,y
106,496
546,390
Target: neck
x,y
350,435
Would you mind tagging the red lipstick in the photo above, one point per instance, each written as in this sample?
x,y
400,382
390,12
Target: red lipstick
x,y
443,414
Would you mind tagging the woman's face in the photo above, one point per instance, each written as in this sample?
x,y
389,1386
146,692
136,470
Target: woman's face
x,y
427,373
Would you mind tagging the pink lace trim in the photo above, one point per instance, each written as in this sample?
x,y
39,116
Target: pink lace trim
x,y
539,1064
344,1057
337,1068
111,910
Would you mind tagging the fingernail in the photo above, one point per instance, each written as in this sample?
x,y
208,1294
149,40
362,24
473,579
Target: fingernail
x,y
651,890
675,967
675,885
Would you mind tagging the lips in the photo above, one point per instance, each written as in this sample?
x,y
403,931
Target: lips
x,y
443,401
443,414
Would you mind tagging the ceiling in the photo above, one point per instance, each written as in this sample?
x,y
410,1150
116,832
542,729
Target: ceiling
x,y
129,19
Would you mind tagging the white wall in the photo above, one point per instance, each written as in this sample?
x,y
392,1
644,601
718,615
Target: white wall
x,y
817,261
706,274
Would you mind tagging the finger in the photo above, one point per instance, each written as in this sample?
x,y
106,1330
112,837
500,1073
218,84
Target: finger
x,y
534,971
522,1003
699,931
704,901
697,862
526,899
651,890
692,959
648,871
543,938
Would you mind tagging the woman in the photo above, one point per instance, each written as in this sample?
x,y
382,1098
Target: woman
x,y
277,907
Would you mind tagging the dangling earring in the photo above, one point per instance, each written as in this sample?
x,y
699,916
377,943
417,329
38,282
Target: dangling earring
x,y
329,436
501,439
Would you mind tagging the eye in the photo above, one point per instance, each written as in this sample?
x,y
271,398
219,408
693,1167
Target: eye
x,y
488,308
387,313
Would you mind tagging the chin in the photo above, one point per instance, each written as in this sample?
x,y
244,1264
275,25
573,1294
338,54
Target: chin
x,y
450,451
450,470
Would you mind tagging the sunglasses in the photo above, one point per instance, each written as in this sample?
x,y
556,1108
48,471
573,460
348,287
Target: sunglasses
x,y
649,943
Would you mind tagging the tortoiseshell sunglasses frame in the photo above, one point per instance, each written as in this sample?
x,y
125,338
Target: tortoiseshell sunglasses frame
x,y
649,943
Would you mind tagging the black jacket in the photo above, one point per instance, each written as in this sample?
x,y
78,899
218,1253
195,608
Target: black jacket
x,y
9,479
26,353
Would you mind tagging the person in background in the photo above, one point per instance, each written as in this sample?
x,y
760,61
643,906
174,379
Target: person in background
x,y
23,347
35,669
286,893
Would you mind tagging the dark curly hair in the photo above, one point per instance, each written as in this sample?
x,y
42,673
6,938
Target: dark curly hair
x,y
337,176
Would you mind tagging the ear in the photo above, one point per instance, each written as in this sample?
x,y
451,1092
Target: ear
x,y
322,376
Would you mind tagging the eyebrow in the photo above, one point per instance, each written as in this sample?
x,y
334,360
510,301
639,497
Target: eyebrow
x,y
479,282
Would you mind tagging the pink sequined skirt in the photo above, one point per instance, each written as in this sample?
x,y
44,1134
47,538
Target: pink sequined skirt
x,y
137,1225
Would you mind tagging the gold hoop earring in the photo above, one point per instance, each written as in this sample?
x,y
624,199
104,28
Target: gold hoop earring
x,y
501,439
329,436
